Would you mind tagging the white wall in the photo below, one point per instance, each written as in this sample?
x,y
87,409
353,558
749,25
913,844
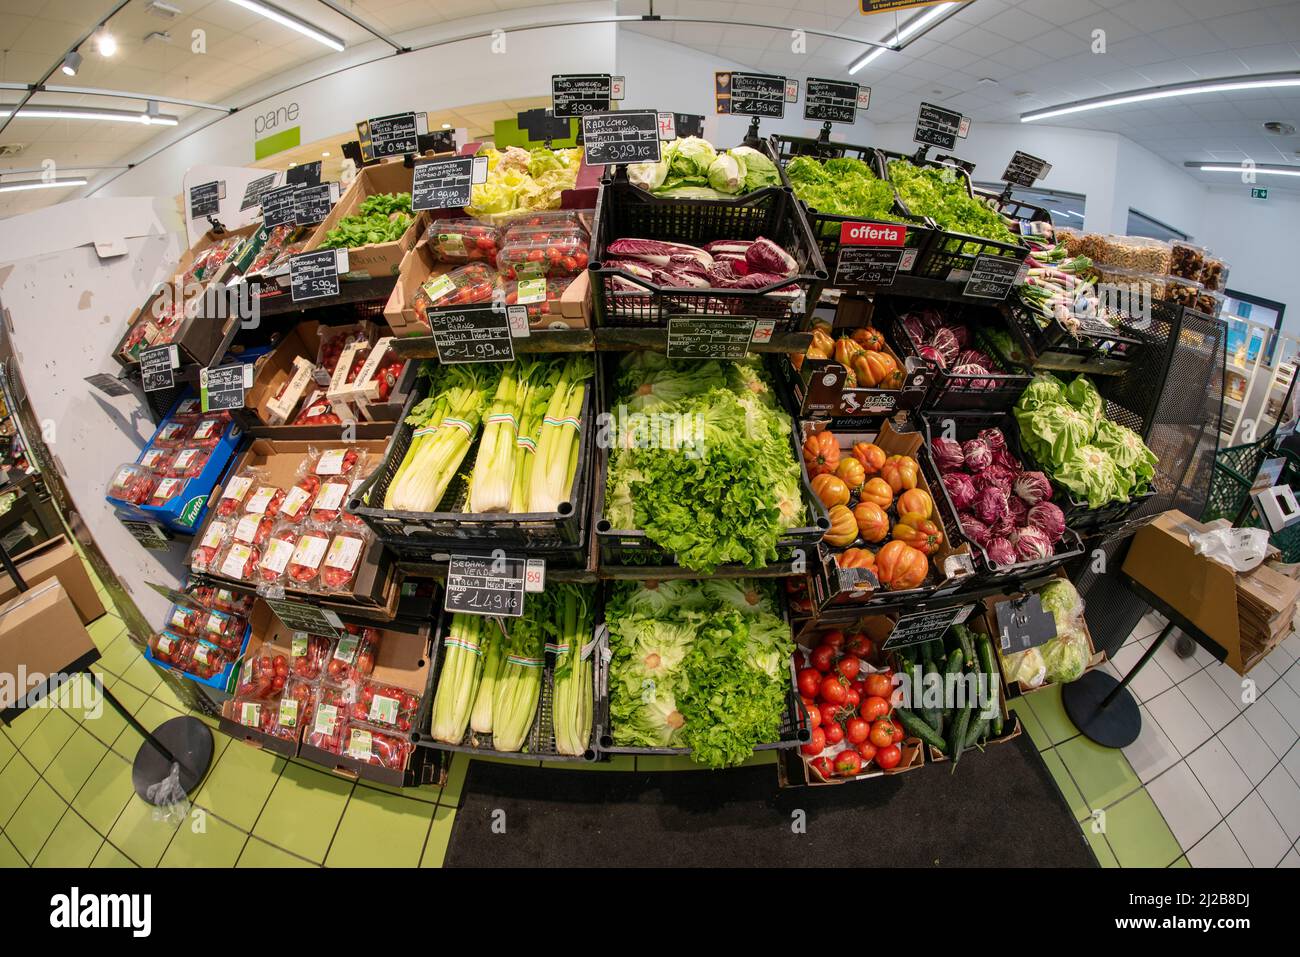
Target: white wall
x,y
1258,239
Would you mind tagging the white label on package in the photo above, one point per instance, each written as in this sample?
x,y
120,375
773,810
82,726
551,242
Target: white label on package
x,y
331,462
246,530
177,621
166,488
294,501
236,560
261,498
383,710
203,653
207,429
185,458
359,744
344,552
165,641
532,290
300,642
213,536
168,432
347,360
453,244
149,460
277,555
327,716
249,714
435,289
331,496
346,650
237,487
215,623
310,550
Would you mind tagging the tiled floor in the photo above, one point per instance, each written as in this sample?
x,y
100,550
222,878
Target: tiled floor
x,y
1214,778
1211,781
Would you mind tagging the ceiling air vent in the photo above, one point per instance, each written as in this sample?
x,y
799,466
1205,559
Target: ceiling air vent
x,y
164,10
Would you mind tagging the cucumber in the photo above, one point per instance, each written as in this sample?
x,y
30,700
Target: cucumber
x,y
917,727
957,736
978,729
967,642
953,667
933,716
916,672
984,647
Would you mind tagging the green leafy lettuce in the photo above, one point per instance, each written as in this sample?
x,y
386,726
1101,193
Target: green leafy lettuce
x,y
942,195
381,218
842,187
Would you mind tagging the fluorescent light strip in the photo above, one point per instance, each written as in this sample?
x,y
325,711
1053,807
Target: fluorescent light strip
x,y
30,112
907,30
286,19
22,184
1222,168
1227,84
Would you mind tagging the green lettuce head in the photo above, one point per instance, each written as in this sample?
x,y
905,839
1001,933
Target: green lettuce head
x,y
760,172
1083,395
1061,599
727,173
691,159
1066,655
1129,452
1090,474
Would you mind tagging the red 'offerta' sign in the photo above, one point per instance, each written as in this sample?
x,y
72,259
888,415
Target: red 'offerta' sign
x,y
872,234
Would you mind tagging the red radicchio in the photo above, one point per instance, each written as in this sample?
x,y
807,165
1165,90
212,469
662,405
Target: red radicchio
x,y
1003,528
1033,487
945,342
1031,544
995,475
991,505
960,489
948,454
978,455
1006,460
1017,511
763,255
1048,519
930,320
960,333
993,438
970,369
974,529
1000,551
975,357
914,328
931,354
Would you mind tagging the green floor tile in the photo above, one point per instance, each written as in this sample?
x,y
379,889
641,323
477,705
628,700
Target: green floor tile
x,y
72,844
21,728
258,853
1139,835
78,695
427,793
110,726
48,739
165,693
303,811
105,793
1051,714
35,819
450,796
153,714
1181,862
1061,775
9,856
1033,727
109,856
120,655
105,631
1102,774
16,780
142,675
239,783
75,763
204,841
380,830
7,749
140,835
1105,856
667,762
435,849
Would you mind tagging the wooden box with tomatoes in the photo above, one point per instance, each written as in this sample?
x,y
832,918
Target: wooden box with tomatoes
x,y
850,370
889,541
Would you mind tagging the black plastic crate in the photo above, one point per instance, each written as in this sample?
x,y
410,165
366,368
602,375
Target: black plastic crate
x,y
785,148
425,536
540,743
965,427
624,211
995,391
1094,347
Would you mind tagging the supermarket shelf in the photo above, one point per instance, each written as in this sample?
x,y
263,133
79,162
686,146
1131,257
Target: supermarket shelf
x,y
604,339
915,287
350,293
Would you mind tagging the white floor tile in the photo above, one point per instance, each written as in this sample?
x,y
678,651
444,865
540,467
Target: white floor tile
x,y
1287,703
1272,727
1282,795
1152,752
1219,774
1150,681
1264,674
1248,749
1292,677
1219,848
1257,831
1229,683
1286,650
1150,625
1186,729
1187,809
1291,860
1209,700
1292,762
1178,669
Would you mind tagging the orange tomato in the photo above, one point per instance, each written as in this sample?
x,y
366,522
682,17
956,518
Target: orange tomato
x,y
869,338
856,558
870,455
921,533
843,528
916,500
851,471
901,472
877,492
830,490
899,566
821,453
873,523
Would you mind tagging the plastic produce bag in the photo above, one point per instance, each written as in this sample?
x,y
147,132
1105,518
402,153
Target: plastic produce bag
x,y
1241,549
169,799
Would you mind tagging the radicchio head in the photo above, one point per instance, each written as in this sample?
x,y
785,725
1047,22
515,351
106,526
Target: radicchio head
x,y
978,455
991,505
973,528
1031,544
1033,487
1000,551
961,489
948,454
1048,519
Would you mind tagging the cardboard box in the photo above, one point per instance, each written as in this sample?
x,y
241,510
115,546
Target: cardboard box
x,y
268,636
40,635
56,558
375,590
374,260
794,770
1228,608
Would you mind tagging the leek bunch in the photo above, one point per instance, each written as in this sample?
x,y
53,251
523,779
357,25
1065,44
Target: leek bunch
x,y
514,705
462,669
572,695
557,448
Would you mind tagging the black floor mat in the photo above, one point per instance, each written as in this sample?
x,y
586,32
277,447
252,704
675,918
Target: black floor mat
x,y
1001,808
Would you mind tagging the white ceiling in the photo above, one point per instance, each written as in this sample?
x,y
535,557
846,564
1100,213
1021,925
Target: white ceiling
x,y
1037,51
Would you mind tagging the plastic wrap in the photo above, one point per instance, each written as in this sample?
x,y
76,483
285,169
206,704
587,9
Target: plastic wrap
x,y
236,490
303,570
539,252
131,483
239,561
310,655
464,285
464,240
342,558
298,500
328,720
385,706
215,538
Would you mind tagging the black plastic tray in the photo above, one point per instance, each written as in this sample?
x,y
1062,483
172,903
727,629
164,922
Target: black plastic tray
x,y
1098,348
785,148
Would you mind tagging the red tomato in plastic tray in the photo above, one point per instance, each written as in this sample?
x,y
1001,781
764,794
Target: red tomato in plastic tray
x,y
275,559
332,348
132,484
336,462
253,529
386,706
225,630
239,561
205,659
328,720
262,676
184,620
208,430
341,560
311,662
233,495
307,556
298,500
352,663
329,501
166,490
186,463
171,435
264,500
223,599
558,253
171,648
385,750
317,412
386,379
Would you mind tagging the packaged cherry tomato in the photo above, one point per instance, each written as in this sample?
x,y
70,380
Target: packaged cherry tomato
x,y
535,253
223,599
295,704
169,647
223,630
236,490
166,490
154,459
328,720
375,747
464,240
310,655
264,500
297,503
172,435
547,219
278,551
333,342
253,529
354,656
539,296
215,537
204,595
209,429
329,501
187,462
334,462
341,560
308,554
131,483
263,676
206,659
239,561
385,706
462,286
187,410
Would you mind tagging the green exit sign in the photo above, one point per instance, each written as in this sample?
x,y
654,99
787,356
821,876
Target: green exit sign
x,y
1259,192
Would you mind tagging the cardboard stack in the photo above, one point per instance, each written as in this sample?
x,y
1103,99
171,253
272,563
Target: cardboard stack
x,y
1266,605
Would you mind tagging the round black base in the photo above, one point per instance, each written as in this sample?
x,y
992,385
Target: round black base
x,y
190,742
1115,727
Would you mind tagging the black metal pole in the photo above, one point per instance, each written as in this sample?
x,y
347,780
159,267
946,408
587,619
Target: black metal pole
x,y
1132,672
12,569
140,729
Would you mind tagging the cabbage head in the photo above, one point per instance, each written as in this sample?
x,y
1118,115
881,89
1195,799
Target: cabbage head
x,y
1066,655
727,173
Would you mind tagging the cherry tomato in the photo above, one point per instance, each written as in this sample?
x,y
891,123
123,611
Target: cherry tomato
x,y
867,750
882,733
810,681
889,756
824,768
857,730
873,707
880,685
858,644
833,690
833,638
852,698
822,657
834,732
849,666
816,744
848,764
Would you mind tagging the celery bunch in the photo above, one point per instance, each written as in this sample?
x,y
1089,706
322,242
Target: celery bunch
x,y
462,670
572,694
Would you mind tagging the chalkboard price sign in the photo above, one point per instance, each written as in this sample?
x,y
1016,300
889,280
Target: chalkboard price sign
x,y
446,183
480,334
923,626
391,135
279,206
297,616
992,277
936,126
316,275
223,388
1025,169
206,198
831,101
709,337
485,586
311,204
156,367
1023,624
867,265
255,190
613,138
580,94
756,94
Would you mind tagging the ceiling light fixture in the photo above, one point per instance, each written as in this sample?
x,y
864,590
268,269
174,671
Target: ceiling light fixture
x,y
105,43
71,63
446,126
909,29
1270,168
30,112
21,184
1227,84
286,19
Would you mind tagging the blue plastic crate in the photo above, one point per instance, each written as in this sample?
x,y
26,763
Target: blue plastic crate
x,y
224,680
